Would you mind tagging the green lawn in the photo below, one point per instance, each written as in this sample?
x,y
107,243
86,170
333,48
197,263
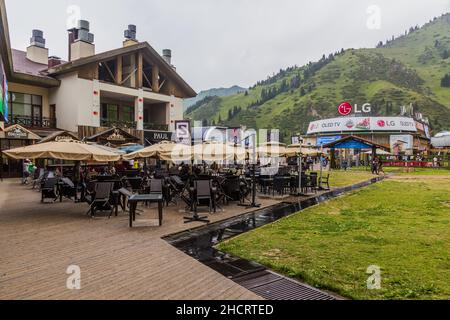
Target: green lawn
x,y
400,225
340,178
419,171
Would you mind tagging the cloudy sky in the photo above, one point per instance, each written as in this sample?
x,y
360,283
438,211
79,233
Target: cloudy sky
x,y
219,43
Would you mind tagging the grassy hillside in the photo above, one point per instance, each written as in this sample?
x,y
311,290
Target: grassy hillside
x,y
405,70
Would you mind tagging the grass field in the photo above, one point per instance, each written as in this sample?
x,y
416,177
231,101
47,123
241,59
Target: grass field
x,y
400,225
340,178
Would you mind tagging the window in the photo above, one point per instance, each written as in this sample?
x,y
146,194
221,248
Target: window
x,y
110,112
127,114
25,105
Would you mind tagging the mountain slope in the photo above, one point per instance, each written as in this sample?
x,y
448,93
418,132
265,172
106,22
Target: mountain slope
x,y
405,70
216,92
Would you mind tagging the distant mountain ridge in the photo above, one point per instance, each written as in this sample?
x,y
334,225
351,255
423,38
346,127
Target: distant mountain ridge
x,y
215,92
413,68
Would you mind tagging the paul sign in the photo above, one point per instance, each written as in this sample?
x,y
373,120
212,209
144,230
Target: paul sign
x,y
345,109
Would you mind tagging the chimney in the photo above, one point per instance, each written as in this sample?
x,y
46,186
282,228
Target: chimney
x,y
37,52
167,56
130,36
54,61
81,41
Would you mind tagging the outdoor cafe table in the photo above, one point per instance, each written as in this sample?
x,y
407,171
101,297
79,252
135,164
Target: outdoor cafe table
x,y
145,198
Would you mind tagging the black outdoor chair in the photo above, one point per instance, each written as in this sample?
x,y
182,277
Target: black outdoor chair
x,y
279,186
48,189
67,189
158,186
232,188
100,198
135,184
326,181
312,183
202,192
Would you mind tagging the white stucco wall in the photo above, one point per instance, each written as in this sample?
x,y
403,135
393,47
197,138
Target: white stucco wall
x,y
74,102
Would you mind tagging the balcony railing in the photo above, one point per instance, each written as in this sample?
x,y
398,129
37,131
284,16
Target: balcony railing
x,y
34,122
156,127
118,124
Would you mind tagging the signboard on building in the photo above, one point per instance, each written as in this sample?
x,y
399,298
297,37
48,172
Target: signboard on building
x,y
16,133
362,124
157,136
183,132
325,140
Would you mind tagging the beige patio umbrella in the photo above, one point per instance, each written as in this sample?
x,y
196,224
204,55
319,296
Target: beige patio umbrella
x,y
69,150
271,150
165,150
212,151
174,152
294,149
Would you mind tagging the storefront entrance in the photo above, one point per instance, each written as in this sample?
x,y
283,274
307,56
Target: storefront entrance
x,y
11,138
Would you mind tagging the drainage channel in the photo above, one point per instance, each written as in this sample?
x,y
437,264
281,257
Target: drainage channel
x,y
199,243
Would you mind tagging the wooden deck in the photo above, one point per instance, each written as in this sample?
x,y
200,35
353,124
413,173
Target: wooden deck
x,y
39,241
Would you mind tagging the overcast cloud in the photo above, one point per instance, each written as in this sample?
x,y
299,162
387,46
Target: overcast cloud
x,y
225,42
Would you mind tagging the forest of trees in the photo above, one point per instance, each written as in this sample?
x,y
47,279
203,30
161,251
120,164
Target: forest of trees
x,y
445,81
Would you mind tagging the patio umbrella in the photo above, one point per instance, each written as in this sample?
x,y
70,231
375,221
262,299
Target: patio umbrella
x,y
166,151
272,150
379,152
132,147
69,150
212,151
110,149
294,149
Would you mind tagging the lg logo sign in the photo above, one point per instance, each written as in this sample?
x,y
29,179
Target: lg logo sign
x,y
345,109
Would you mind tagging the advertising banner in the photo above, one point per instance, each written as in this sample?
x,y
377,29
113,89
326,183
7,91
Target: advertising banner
x,y
325,140
362,124
402,144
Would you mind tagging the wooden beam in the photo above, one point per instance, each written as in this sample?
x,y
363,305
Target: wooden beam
x,y
162,84
109,71
147,79
119,70
140,71
155,78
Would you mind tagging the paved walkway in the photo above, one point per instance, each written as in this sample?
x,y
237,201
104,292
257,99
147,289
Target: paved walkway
x,y
39,241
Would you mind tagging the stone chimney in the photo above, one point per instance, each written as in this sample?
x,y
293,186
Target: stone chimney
x,y
81,41
54,61
130,36
37,52
167,56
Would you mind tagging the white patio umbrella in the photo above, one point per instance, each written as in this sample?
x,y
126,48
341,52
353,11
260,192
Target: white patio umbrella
x,y
69,150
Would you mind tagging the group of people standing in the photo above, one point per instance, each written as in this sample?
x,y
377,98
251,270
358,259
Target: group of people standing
x,y
377,166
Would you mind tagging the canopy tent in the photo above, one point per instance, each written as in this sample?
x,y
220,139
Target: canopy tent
x,y
69,150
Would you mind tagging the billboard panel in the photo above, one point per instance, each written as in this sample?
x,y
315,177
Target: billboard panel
x,y
402,144
362,124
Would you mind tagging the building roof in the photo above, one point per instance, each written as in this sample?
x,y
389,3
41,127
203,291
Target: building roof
x,y
149,52
22,64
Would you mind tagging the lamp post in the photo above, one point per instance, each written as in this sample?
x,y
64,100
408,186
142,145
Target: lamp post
x,y
253,204
300,168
